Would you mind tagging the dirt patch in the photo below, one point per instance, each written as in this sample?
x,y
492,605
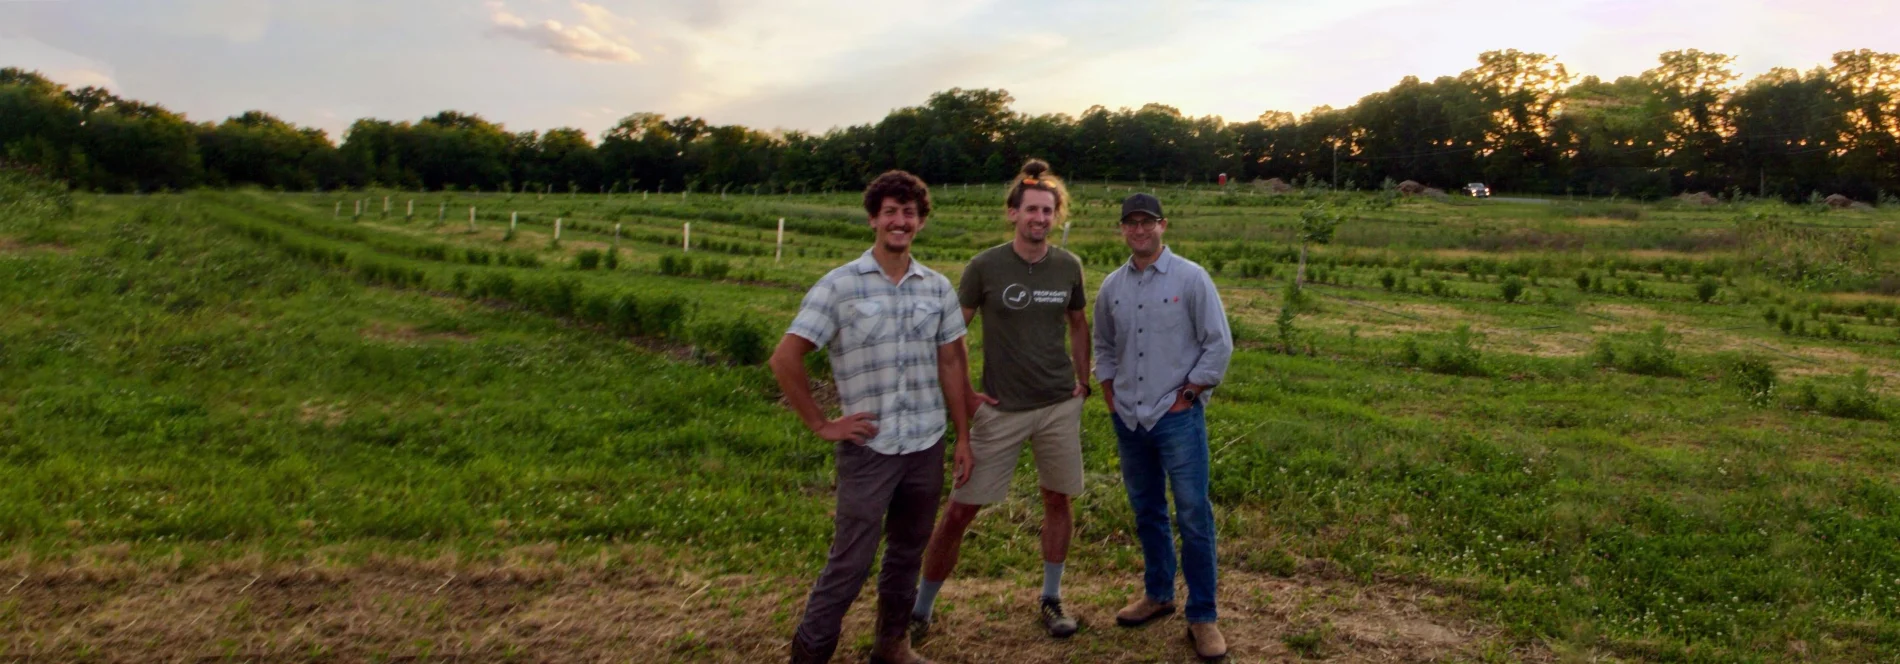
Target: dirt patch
x,y
1436,312
13,246
402,333
1631,316
1660,254
1539,343
329,415
1862,298
1273,185
1455,254
1603,222
1699,198
1838,363
617,608
822,391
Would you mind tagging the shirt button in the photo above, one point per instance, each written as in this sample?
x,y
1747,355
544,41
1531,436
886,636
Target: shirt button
x,y
1139,330
1141,354
1139,379
1137,306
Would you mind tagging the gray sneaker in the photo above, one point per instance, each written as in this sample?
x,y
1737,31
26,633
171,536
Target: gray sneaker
x,y
1059,624
919,630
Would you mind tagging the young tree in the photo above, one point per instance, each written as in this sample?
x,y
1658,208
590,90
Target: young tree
x,y
1317,224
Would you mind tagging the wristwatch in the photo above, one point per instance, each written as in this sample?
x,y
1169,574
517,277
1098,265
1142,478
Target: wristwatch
x,y
1192,395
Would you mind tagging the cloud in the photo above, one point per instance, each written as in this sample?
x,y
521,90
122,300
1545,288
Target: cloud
x,y
586,42
603,20
82,77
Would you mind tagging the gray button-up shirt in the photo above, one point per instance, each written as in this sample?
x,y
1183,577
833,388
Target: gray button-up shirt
x,y
1156,330
884,339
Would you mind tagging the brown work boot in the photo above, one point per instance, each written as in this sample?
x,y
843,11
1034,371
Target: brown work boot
x,y
900,654
804,655
893,636
1143,611
1208,643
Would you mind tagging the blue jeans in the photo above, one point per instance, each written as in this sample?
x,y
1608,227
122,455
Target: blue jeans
x,y
1174,452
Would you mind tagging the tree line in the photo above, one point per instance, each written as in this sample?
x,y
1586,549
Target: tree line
x,y
1519,121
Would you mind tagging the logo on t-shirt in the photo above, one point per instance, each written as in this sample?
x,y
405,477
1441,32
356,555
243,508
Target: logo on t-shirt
x,y
1018,296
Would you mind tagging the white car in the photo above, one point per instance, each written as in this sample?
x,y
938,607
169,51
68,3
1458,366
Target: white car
x,y
1478,190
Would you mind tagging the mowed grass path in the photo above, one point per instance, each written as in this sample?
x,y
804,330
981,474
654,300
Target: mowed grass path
x,y
182,395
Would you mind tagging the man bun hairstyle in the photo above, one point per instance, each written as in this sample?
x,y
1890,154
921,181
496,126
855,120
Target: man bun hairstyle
x,y
898,185
1035,175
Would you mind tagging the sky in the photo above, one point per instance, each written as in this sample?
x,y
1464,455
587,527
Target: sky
x,y
817,64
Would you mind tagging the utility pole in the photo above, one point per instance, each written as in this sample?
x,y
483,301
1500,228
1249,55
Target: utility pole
x,y
1335,165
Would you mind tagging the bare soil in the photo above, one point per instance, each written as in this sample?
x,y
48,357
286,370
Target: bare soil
x,y
102,608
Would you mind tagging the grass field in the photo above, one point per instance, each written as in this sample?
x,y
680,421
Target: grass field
x,y
253,425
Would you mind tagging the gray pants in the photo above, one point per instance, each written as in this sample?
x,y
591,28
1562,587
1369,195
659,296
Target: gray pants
x,y
880,496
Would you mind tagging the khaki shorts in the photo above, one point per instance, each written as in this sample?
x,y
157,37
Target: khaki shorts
x,y
996,440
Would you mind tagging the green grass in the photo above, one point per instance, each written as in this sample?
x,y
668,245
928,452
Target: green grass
x,y
178,372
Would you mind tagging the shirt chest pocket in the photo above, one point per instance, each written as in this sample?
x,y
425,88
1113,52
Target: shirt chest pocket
x,y
926,318
1143,315
866,321
1171,313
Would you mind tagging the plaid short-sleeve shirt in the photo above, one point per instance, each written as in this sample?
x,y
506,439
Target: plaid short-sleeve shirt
x,y
883,339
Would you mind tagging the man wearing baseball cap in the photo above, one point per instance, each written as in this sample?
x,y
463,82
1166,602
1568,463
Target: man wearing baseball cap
x,y
1161,344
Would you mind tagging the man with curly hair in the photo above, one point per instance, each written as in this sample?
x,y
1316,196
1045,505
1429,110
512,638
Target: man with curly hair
x,y
895,336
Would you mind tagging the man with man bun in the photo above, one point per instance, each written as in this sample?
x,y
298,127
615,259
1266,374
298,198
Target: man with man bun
x,y
1031,298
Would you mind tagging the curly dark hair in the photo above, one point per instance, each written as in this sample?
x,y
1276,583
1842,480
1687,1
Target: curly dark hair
x,y
901,186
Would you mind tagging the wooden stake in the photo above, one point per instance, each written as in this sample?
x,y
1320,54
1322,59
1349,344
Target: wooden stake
x,y
557,229
779,253
686,237
471,218
512,218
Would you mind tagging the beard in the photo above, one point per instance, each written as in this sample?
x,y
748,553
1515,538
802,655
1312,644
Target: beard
x,y
895,248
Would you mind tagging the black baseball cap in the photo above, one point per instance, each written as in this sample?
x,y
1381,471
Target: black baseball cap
x,y
1141,203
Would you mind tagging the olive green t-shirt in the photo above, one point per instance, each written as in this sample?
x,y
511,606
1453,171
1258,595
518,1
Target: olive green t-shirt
x,y
1025,308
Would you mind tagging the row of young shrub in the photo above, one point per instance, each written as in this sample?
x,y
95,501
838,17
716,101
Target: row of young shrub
x,y
620,312
704,243
1796,325
803,222
1655,353
385,242
1669,268
364,266
680,265
1873,311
